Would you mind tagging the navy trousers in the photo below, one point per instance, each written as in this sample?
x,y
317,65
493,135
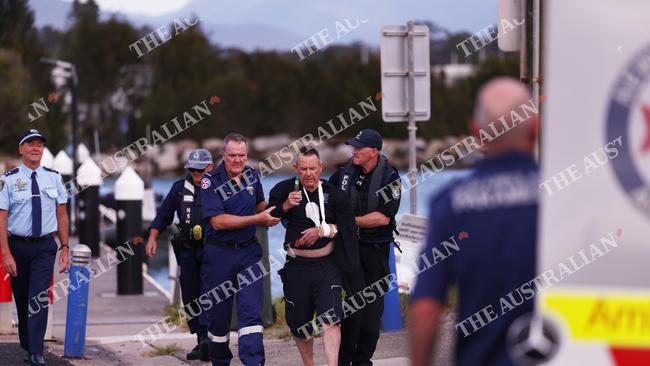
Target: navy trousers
x,y
360,331
190,261
225,272
34,266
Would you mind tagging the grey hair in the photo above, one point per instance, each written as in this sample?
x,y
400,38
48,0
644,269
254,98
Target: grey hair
x,y
233,136
306,152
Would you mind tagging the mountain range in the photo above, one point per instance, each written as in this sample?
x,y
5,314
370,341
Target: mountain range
x,y
283,24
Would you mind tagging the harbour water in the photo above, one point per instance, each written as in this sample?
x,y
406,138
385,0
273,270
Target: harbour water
x,y
425,191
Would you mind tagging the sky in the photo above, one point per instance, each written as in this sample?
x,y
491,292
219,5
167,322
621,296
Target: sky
x,y
283,24
146,7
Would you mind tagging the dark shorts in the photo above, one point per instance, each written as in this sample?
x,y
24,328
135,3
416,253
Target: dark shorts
x,y
311,285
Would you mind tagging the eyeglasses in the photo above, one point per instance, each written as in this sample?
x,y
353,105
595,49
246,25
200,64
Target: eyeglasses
x,y
192,170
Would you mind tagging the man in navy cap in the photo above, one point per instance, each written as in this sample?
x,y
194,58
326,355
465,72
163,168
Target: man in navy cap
x,y
32,210
361,178
496,208
185,200
233,204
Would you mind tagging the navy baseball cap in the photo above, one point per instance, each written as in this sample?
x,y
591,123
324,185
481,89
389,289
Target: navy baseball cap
x,y
31,134
367,138
198,159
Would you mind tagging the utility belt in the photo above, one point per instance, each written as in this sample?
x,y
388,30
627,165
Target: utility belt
x,y
180,241
380,244
31,239
232,246
186,238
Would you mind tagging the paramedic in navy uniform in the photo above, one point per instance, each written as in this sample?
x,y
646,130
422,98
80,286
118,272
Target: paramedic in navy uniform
x,y
185,200
32,210
495,209
233,203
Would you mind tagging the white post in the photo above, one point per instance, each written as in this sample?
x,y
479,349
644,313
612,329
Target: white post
x,y
48,159
63,164
174,284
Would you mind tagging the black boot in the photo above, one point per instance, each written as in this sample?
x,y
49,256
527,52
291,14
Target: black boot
x,y
194,354
203,346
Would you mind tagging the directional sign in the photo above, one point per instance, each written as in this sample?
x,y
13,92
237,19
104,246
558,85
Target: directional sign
x,y
394,73
412,232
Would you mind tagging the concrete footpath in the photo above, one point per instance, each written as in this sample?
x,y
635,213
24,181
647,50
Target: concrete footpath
x,y
113,321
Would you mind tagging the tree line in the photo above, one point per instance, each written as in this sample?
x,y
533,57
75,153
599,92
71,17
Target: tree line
x,y
259,93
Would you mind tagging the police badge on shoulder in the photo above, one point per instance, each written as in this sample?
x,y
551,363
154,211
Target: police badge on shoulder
x,y
396,189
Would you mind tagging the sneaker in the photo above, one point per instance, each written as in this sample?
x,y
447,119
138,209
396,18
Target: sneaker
x,y
37,360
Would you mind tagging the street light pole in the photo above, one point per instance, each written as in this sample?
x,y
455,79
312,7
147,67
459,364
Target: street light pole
x,y
67,70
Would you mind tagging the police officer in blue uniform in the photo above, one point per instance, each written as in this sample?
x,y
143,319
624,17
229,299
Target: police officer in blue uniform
x,y
365,174
184,199
492,217
233,203
32,209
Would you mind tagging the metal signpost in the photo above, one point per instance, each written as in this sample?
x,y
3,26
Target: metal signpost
x,y
406,84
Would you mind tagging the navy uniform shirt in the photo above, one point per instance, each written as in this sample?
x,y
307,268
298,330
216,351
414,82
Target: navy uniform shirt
x,y
173,202
16,197
388,208
222,195
494,211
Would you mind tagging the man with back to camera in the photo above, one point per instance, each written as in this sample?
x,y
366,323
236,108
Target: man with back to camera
x,y
361,178
233,204
184,198
498,253
317,212
32,209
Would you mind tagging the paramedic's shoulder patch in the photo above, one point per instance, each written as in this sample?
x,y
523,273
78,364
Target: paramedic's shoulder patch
x,y
205,183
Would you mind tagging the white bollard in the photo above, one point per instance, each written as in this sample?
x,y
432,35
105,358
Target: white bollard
x,y
48,159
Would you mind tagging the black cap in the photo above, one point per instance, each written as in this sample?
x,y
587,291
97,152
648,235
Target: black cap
x,y
31,134
366,138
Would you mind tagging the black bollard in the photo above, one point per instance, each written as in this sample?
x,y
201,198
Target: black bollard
x,y
90,179
129,192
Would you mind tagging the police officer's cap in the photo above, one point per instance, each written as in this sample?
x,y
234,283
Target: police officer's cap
x,y
367,138
29,135
198,159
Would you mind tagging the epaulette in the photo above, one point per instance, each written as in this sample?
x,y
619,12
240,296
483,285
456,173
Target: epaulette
x,y
12,171
51,170
208,174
